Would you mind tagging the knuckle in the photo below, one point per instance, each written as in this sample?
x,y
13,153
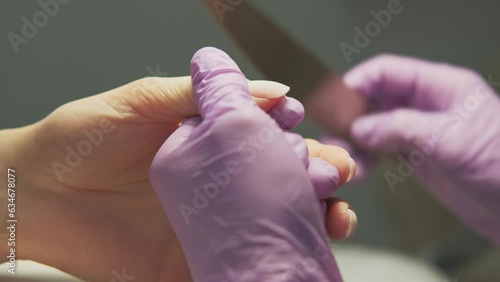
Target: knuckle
x,y
146,85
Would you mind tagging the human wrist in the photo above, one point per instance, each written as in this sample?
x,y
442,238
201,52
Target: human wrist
x,y
13,144
8,146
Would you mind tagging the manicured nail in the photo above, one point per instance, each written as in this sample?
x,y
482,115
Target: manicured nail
x,y
267,89
353,223
352,169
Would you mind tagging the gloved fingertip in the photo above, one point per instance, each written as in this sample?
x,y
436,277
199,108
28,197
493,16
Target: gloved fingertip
x,y
208,59
356,79
324,176
218,84
288,113
362,128
352,79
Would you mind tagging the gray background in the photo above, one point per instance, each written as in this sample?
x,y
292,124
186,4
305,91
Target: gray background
x,y
93,46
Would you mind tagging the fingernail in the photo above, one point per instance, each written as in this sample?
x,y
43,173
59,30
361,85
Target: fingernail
x,y
352,169
267,89
353,223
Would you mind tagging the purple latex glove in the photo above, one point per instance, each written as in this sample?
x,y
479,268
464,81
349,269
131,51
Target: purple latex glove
x,y
443,124
235,187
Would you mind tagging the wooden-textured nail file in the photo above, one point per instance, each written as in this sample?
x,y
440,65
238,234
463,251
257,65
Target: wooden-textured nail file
x,y
281,58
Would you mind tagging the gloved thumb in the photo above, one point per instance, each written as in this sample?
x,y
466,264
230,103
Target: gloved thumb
x,y
394,132
218,83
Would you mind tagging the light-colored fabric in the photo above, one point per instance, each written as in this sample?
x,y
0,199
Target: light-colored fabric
x,y
359,263
30,271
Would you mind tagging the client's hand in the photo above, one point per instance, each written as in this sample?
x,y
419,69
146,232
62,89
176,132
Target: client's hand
x,y
84,200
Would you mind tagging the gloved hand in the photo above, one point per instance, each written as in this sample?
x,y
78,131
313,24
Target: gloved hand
x,y
235,186
442,124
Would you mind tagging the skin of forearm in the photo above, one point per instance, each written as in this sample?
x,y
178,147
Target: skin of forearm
x,y
7,158
3,197
38,237
14,150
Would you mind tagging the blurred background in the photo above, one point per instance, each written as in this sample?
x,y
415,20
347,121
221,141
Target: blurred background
x,y
92,46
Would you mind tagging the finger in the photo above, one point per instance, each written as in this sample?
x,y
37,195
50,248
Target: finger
x,y
288,113
395,131
391,81
341,220
364,161
335,156
219,86
324,177
171,99
176,139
